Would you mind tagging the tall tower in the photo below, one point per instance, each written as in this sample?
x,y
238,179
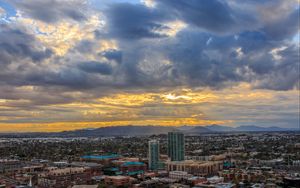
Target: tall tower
x,y
176,146
153,155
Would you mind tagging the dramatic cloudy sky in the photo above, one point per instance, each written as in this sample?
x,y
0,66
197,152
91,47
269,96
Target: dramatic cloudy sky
x,y
71,64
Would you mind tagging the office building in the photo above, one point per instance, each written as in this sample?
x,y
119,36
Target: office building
x,y
153,153
179,175
64,177
196,168
176,146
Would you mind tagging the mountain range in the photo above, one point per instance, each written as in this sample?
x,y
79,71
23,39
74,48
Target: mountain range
x,y
132,130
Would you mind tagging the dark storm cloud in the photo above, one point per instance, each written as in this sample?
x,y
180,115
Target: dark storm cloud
x,y
134,21
283,75
95,67
69,78
197,62
212,15
22,63
16,44
51,11
283,28
204,58
278,19
115,55
35,97
203,66
197,58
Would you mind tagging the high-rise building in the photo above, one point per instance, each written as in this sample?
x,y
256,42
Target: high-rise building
x,y
153,154
176,146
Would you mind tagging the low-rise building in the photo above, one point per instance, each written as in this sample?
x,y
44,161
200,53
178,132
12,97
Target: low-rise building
x,y
95,168
215,179
117,181
196,180
198,168
10,165
178,175
61,178
130,168
102,159
85,186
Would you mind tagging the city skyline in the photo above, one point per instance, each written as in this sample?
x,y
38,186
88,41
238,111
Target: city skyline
x,y
67,65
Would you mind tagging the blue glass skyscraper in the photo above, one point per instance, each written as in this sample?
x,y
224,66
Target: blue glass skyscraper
x,y
153,160
176,146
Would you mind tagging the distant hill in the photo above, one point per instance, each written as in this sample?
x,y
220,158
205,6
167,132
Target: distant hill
x,y
245,128
131,130
185,128
198,130
253,128
220,128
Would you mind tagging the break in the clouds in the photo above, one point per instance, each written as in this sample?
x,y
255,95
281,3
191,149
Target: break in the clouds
x,y
78,63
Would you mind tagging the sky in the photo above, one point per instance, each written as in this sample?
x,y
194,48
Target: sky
x,y
74,64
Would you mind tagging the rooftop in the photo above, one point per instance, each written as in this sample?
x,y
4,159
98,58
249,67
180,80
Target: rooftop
x,y
85,186
84,164
117,177
129,163
192,162
67,171
100,157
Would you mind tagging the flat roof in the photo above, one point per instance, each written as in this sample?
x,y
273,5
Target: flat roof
x,y
86,164
85,186
129,163
100,157
117,177
67,170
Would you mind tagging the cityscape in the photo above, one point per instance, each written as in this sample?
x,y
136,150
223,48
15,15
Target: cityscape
x,y
221,160
149,93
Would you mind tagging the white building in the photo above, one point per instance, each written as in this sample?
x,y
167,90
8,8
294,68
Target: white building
x,y
179,175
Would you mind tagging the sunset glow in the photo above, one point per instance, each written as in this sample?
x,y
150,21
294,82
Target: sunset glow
x,y
87,64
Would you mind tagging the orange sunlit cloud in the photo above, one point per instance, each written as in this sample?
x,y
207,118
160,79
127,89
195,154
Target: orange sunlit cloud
x,y
169,108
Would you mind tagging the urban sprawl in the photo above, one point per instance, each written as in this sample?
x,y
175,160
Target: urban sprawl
x,y
174,160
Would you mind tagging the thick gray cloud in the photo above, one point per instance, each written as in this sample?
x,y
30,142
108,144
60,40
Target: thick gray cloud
x,y
212,15
115,55
199,58
134,21
284,27
51,11
15,43
280,76
203,57
95,67
203,66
